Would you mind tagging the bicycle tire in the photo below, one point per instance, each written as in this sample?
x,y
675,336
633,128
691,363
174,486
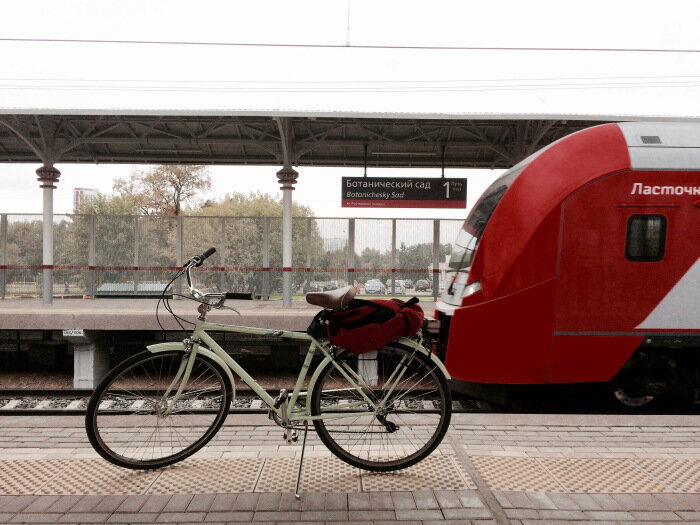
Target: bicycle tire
x,y
121,409
384,450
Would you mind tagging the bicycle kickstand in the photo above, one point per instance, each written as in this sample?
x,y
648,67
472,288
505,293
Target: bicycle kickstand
x,y
301,460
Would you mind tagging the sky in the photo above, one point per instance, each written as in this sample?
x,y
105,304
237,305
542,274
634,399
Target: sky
x,y
349,77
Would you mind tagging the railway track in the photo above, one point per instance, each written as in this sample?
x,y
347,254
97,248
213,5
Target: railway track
x,y
74,402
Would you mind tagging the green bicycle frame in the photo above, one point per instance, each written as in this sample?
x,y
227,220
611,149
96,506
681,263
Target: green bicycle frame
x,y
204,344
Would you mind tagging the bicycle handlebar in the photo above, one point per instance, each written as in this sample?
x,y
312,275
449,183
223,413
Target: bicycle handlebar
x,y
199,259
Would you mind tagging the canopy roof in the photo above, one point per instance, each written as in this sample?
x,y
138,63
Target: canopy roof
x,y
259,139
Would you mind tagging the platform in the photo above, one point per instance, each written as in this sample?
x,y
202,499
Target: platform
x,y
491,468
94,318
139,314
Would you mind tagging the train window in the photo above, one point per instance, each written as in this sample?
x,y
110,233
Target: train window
x,y
473,228
646,238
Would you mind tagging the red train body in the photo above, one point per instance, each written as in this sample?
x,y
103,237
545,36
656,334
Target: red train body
x,y
582,264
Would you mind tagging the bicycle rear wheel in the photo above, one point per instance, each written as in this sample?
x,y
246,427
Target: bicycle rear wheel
x,y
128,421
414,414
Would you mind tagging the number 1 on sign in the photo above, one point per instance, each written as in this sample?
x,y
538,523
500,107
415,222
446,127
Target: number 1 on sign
x,y
447,189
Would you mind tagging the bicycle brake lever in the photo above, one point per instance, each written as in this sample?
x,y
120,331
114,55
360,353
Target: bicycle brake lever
x,y
223,307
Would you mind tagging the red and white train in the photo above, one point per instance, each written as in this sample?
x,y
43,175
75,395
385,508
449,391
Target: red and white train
x,y
582,264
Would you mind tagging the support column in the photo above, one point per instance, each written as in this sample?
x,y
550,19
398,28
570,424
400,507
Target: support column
x,y
393,256
308,252
47,176
287,179
92,278
222,257
178,255
436,259
3,255
136,255
266,259
90,359
367,367
351,252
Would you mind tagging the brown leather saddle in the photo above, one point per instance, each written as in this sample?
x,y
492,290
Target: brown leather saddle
x,y
333,299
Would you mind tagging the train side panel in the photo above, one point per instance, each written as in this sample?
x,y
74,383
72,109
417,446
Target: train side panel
x,y
603,292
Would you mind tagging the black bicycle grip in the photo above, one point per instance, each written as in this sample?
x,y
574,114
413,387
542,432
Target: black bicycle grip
x,y
206,254
242,296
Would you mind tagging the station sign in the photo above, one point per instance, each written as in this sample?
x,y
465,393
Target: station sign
x,y
392,192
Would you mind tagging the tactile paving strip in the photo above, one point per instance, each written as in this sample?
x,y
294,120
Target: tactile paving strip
x,y
515,473
329,474
97,476
209,476
434,472
600,475
677,475
27,476
320,474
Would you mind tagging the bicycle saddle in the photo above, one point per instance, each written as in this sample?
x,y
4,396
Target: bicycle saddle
x,y
333,299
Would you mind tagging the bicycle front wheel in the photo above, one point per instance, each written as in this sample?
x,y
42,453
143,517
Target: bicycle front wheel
x,y
134,421
397,416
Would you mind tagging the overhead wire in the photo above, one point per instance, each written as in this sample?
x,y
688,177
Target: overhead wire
x,y
406,86
352,46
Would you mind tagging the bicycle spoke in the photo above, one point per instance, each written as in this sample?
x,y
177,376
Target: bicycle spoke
x,y
131,419
399,431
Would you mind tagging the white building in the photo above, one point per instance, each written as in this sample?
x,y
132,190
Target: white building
x,y
79,196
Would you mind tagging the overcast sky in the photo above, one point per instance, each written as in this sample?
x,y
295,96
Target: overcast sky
x,y
168,76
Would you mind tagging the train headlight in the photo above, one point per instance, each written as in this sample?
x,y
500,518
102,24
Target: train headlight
x,y
471,289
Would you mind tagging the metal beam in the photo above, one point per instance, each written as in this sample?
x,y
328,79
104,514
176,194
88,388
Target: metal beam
x,y
259,140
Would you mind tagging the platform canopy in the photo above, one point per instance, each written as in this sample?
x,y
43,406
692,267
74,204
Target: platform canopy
x,y
279,139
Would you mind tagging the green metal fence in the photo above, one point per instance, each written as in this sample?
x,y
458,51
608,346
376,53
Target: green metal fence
x,y
108,255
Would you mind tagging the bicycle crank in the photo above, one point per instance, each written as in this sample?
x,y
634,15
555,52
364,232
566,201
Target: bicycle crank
x,y
291,435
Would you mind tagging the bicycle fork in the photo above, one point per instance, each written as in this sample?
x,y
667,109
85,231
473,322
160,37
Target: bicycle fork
x,y
181,377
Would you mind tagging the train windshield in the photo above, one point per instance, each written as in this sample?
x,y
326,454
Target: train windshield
x,y
473,228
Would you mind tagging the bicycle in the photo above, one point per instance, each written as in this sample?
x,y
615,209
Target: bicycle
x,y
383,411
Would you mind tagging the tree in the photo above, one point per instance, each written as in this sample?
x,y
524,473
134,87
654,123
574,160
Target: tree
x,y
255,204
244,239
164,190
102,204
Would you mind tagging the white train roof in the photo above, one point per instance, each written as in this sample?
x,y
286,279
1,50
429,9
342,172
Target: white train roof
x,y
663,145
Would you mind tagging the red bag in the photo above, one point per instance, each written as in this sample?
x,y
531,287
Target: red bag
x,y
363,326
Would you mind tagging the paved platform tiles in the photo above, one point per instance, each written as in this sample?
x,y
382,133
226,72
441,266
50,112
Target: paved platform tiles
x,y
490,468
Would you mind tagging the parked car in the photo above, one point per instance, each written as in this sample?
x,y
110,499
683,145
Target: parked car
x,y
400,286
330,285
375,286
311,287
408,283
423,285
